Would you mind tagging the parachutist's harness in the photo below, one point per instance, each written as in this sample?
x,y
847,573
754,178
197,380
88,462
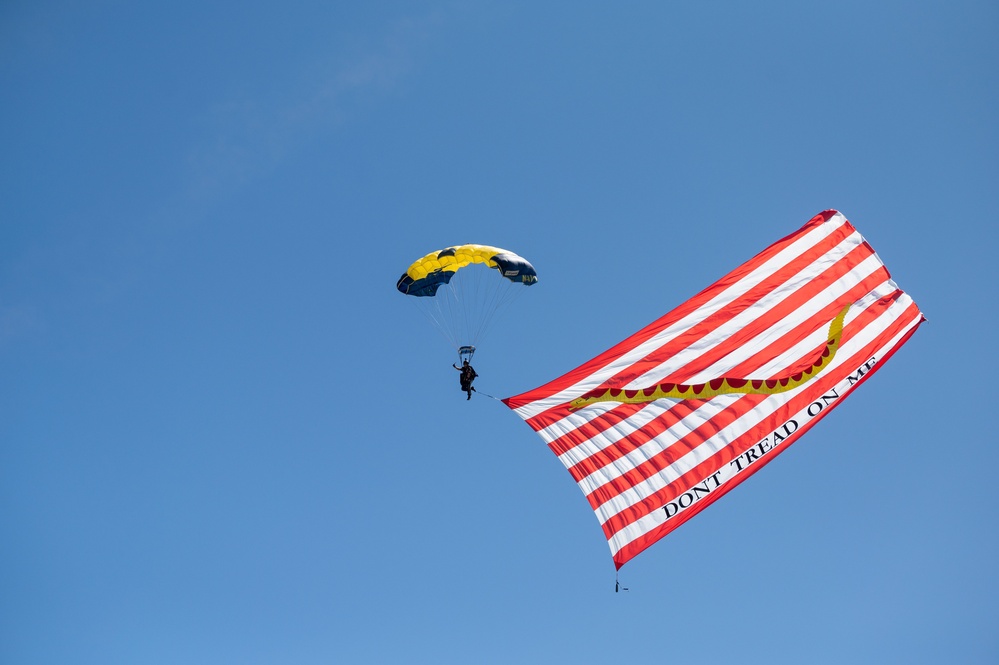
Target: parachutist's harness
x,y
467,376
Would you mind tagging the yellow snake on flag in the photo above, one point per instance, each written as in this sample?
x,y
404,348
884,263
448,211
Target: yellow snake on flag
x,y
721,386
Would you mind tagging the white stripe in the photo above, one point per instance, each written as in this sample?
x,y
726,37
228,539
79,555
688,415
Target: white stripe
x,y
828,296
720,440
609,437
648,522
728,295
720,336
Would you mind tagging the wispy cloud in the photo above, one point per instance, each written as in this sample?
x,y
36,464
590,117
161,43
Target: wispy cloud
x,y
250,136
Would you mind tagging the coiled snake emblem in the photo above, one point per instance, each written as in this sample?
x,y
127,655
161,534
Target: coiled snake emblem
x,y
721,386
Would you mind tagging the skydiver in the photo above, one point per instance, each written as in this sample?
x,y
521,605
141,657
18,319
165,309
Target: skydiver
x,y
467,376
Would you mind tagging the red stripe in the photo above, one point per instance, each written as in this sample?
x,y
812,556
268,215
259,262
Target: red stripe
x,y
725,418
779,311
818,320
637,546
688,307
743,443
718,460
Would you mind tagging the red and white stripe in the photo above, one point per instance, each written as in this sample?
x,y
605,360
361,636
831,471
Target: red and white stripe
x,y
767,318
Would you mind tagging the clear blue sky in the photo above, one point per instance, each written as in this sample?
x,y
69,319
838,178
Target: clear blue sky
x,y
226,438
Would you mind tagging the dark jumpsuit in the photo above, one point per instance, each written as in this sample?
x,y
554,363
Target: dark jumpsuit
x,y
467,376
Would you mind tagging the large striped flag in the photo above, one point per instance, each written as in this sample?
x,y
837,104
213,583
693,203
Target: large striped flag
x,y
663,424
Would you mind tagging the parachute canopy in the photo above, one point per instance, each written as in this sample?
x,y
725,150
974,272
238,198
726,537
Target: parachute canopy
x,y
428,273
666,422
461,288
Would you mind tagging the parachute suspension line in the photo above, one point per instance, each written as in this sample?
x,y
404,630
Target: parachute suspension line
x,y
483,289
468,297
437,315
479,296
504,294
432,312
452,302
461,295
469,283
475,295
488,298
449,302
444,309
466,307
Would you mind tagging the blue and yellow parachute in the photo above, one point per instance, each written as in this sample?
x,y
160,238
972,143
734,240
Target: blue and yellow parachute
x,y
461,288
425,275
